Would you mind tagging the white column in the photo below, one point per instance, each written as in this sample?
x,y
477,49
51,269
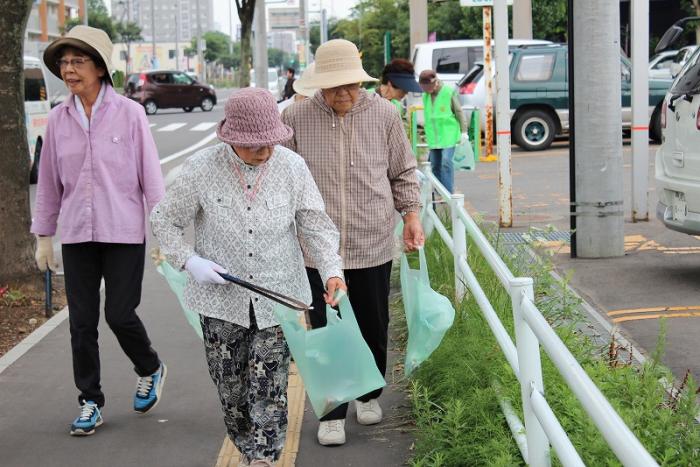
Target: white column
x,y
522,19
505,181
640,109
260,48
418,17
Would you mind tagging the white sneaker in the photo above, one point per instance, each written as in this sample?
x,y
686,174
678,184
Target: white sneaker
x,y
368,413
331,432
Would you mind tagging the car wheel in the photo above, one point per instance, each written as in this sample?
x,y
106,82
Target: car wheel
x,y
207,104
187,109
34,172
655,125
150,106
534,130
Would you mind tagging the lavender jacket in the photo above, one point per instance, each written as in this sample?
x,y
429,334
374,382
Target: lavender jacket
x,y
94,182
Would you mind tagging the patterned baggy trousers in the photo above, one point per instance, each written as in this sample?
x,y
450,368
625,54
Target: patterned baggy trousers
x,y
249,367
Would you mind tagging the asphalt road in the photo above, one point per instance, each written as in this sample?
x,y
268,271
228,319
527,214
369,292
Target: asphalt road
x,y
657,276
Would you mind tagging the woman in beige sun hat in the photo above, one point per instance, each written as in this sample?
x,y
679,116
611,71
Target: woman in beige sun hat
x,y
99,174
357,150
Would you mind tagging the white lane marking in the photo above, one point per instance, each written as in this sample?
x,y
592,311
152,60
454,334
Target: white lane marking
x,y
172,127
151,125
188,150
204,126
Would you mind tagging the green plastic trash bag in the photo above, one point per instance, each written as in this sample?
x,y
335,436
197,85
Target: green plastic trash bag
x,y
463,157
177,280
428,314
334,361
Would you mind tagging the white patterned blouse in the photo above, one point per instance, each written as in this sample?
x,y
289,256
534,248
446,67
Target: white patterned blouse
x,y
253,221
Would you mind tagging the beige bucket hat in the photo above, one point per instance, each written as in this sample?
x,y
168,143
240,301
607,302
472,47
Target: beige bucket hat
x,y
92,41
298,84
337,63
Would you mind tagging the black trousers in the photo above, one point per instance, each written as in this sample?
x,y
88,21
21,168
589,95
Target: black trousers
x,y
121,266
368,291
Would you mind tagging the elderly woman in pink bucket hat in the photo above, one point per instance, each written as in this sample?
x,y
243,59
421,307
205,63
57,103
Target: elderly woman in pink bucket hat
x,y
252,202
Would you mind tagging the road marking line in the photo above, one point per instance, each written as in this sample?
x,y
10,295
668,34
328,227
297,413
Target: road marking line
x,y
188,150
172,127
229,455
657,316
653,310
151,125
204,126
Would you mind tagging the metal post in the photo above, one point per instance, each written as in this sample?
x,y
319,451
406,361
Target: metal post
x,y
200,53
599,181
640,104
230,28
323,27
177,40
488,74
260,49
505,180
459,241
304,33
154,59
387,47
426,196
522,19
572,128
530,367
84,4
418,17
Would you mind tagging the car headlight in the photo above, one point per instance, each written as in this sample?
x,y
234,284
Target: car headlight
x,y
211,86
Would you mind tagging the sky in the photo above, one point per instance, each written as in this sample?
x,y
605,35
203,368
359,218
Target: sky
x,y
335,8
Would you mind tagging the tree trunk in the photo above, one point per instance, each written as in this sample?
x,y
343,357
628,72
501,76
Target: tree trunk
x,y
246,11
16,243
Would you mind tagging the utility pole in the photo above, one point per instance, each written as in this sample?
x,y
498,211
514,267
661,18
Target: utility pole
x,y
260,53
599,205
323,27
230,28
154,60
522,19
488,76
177,40
200,53
640,104
505,180
418,17
304,33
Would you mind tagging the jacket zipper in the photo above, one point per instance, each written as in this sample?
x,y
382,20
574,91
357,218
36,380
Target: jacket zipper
x,y
343,216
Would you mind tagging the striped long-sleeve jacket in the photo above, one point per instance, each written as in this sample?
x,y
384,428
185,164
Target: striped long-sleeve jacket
x,y
364,168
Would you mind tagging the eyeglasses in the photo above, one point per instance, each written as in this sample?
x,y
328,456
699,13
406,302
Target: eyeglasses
x,y
346,87
76,63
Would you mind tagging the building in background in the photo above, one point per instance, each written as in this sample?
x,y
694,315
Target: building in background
x,y
46,22
142,55
282,40
174,19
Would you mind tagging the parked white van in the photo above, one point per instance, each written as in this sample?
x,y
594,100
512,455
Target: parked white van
x,y
36,111
452,59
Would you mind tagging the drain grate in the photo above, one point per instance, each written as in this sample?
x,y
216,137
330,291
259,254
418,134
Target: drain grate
x,y
519,237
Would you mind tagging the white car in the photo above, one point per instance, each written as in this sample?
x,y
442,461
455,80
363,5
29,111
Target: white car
x,y
681,58
660,65
451,60
37,104
678,158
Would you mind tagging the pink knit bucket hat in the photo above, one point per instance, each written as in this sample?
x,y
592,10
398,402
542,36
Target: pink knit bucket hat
x,y
252,120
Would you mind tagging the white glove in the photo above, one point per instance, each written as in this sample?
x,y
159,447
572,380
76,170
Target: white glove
x,y
464,138
44,254
205,271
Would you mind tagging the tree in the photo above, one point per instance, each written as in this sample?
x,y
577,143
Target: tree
x,y
98,17
16,243
218,45
246,9
128,33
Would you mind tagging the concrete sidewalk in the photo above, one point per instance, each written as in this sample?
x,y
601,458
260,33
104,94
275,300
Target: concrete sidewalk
x,y
38,401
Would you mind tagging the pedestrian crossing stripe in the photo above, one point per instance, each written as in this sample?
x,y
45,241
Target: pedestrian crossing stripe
x,y
638,314
204,126
172,127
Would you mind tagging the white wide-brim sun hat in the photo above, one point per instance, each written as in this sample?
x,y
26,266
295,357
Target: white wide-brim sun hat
x,y
337,63
298,86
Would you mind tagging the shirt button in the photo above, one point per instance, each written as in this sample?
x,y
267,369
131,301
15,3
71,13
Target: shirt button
x,y
250,231
250,254
248,208
250,277
249,187
256,299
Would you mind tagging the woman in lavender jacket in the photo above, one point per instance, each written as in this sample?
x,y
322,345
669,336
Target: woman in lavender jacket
x,y
98,165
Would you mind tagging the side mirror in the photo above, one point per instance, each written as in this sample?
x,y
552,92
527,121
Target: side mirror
x,y
669,37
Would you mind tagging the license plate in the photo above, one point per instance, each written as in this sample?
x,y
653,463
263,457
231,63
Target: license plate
x,y
679,208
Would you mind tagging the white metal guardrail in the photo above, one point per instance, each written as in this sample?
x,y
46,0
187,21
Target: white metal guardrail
x,y
531,332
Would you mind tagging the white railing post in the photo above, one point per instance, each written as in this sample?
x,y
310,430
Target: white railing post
x,y
426,197
528,348
459,241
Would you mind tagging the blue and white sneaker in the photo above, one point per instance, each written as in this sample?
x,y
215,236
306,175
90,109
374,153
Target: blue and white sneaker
x,y
89,419
148,390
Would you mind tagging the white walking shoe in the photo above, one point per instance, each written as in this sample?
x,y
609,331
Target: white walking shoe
x,y
331,432
368,413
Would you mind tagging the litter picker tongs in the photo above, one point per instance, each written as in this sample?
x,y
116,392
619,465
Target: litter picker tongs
x,y
272,295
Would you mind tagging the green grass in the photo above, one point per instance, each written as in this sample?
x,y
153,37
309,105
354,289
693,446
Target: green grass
x,y
459,421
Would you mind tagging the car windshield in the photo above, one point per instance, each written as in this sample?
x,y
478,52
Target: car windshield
x,y
688,80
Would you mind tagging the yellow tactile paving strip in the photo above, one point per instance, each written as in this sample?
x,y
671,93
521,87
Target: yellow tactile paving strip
x,y
638,314
229,455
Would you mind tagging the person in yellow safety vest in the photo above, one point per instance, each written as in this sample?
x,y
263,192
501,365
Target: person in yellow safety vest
x,y
398,79
444,125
